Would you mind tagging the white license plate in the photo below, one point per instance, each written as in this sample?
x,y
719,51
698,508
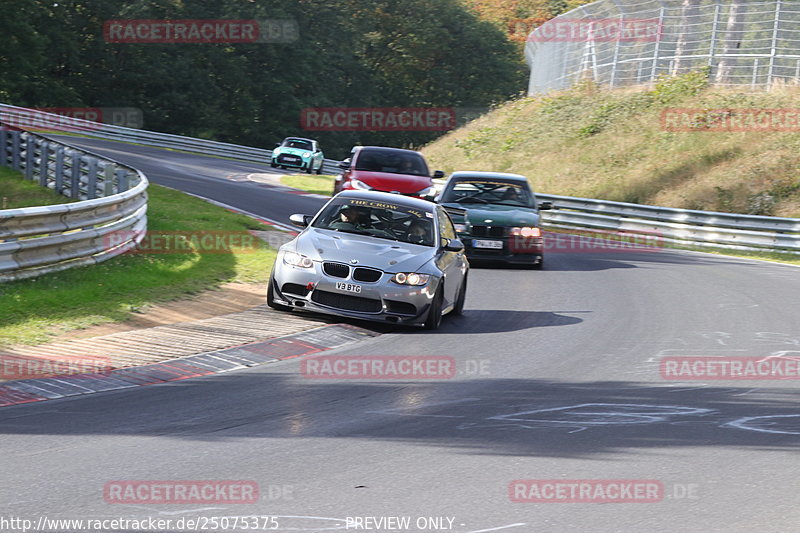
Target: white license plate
x,y
494,245
348,287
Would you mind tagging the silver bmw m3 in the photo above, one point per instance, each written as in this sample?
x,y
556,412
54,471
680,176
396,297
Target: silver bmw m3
x,y
373,256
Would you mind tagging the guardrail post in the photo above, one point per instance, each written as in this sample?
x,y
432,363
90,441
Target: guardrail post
x,y
59,173
30,148
91,183
75,183
3,146
44,163
122,180
15,151
108,180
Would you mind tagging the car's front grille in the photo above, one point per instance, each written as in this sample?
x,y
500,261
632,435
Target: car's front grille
x,y
346,302
285,158
400,308
337,270
488,231
294,288
368,275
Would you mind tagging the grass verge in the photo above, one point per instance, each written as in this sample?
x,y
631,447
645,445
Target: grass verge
x,y
322,184
16,191
34,310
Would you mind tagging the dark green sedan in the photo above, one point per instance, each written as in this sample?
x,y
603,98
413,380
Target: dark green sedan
x,y
496,216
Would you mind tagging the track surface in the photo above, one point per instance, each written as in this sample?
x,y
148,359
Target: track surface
x,y
589,329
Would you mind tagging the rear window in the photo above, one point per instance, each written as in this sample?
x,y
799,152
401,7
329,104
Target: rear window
x,y
392,162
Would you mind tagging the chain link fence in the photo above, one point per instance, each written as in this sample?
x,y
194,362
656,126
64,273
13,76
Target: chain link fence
x,y
631,42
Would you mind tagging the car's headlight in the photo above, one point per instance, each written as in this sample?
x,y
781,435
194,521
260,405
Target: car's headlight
x,y
427,191
298,260
358,184
526,232
411,278
460,228
305,155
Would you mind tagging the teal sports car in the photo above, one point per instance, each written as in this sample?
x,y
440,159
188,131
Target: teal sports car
x,y
300,153
496,216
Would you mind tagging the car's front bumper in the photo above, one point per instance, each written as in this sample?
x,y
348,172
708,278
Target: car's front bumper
x,y
382,301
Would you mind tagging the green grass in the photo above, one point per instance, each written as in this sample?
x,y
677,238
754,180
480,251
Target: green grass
x,y
16,191
322,184
34,310
594,142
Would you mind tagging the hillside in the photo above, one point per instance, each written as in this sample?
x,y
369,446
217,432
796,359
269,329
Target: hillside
x,y
593,142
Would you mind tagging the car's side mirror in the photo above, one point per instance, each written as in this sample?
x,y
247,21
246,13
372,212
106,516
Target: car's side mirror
x,y
345,164
300,220
454,245
437,175
277,144
545,206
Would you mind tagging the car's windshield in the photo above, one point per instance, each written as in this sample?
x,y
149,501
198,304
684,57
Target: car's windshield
x,y
298,143
481,191
393,162
378,219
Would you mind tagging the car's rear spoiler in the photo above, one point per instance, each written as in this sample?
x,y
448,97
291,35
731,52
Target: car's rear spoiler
x,y
455,211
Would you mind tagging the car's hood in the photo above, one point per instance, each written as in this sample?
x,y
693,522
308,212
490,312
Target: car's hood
x,y
388,182
291,151
497,215
392,256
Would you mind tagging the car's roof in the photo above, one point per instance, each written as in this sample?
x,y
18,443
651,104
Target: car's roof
x,y
490,175
298,139
407,201
388,149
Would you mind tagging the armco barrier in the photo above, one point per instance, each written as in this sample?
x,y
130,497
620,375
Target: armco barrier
x,y
39,240
684,226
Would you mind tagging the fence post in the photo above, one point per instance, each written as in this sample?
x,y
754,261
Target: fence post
x,y
755,74
774,51
91,184
15,149
657,47
3,146
44,155
616,53
75,185
108,180
59,177
30,149
714,30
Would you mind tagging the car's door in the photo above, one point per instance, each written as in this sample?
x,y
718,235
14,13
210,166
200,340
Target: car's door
x,y
451,263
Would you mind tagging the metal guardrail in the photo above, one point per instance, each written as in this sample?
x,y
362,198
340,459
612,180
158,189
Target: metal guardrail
x,y
684,226
108,220
680,226
32,119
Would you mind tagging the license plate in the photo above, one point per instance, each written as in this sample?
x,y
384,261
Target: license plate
x,y
493,245
348,287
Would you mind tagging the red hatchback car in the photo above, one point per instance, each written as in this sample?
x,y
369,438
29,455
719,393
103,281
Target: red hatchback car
x,y
376,168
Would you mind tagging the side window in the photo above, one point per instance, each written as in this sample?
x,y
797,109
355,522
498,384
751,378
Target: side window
x,y
446,229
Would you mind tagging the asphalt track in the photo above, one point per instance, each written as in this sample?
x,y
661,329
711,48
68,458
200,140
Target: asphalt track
x,y
558,378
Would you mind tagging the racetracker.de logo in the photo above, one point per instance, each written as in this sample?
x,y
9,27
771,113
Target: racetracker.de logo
x,y
186,242
181,492
378,367
729,368
29,367
599,30
378,119
676,119
586,491
602,242
200,31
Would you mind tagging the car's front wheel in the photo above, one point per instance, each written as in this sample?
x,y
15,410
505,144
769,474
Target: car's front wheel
x,y
319,170
309,168
271,298
434,319
273,164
